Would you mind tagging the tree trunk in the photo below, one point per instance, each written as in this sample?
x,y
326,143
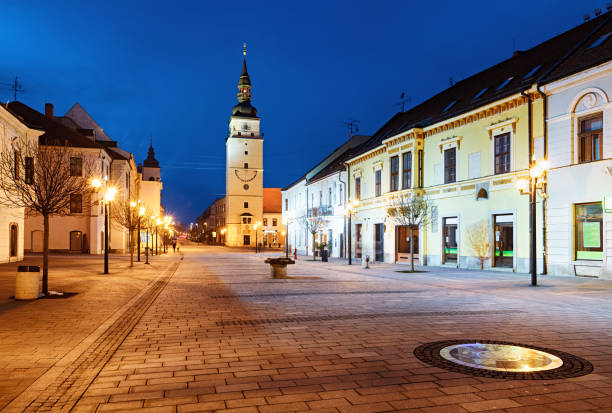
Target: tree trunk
x,y
411,250
45,277
314,248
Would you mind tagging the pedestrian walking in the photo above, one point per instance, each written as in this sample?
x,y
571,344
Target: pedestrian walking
x,y
174,246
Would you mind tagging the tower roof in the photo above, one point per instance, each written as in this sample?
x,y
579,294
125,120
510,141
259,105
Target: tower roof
x,y
151,162
244,107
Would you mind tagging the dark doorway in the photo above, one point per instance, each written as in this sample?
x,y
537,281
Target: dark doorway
x,y
341,245
450,240
13,239
357,240
379,242
246,240
402,236
504,240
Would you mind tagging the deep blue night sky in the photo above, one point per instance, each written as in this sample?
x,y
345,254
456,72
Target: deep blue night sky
x,y
170,70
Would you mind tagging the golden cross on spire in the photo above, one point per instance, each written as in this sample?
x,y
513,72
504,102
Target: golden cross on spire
x,y
244,49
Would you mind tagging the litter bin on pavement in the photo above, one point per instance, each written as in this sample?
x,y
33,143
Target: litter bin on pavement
x,y
27,284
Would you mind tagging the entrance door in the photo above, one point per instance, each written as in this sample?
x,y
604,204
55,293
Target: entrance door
x,y
504,240
379,234
357,240
402,236
450,240
76,242
246,240
341,245
37,241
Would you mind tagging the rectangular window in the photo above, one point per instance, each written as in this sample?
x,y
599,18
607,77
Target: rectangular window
x,y
357,240
590,139
450,165
246,204
76,203
265,222
589,231
246,165
286,204
329,197
377,182
358,188
502,153
274,222
29,170
76,166
394,173
407,170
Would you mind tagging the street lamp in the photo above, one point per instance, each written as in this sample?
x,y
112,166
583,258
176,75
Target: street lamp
x,y
536,184
349,212
141,212
255,228
108,197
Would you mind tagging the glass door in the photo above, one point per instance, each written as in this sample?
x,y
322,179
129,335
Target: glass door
x,y
504,240
450,240
379,234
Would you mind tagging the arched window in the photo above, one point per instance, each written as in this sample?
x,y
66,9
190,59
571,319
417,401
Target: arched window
x,y
13,238
482,194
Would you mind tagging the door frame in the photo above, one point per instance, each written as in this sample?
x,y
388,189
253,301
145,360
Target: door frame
x,y
492,215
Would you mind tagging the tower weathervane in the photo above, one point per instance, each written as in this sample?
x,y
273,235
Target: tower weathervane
x,y
244,49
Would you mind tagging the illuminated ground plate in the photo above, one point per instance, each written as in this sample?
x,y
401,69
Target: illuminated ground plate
x,y
500,359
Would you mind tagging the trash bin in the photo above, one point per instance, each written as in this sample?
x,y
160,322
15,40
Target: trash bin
x,y
27,284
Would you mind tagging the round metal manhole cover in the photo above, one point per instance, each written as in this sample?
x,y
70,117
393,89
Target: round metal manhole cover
x,y
500,359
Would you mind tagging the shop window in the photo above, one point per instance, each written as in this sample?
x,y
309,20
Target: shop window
x,y
450,165
406,170
76,203
589,231
590,142
76,166
502,153
394,173
377,183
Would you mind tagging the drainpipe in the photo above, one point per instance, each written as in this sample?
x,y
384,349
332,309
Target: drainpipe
x,y
343,215
532,199
545,199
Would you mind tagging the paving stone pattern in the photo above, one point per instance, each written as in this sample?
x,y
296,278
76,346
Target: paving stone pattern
x,y
190,353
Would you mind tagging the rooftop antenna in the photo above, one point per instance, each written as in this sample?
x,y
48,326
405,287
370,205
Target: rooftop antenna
x,y
14,87
403,100
352,124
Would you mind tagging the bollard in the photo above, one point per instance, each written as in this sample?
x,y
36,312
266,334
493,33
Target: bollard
x,y
27,283
365,261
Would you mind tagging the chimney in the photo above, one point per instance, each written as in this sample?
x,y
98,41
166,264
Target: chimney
x,y
49,110
598,12
587,17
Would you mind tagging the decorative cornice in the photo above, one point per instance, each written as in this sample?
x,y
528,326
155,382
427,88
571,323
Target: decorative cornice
x,y
451,139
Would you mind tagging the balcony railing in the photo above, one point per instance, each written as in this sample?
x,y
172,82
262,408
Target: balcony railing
x,y
321,211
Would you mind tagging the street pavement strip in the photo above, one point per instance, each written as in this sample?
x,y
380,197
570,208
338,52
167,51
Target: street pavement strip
x,y
502,360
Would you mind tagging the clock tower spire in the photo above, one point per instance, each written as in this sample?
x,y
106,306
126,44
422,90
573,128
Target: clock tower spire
x,y
244,168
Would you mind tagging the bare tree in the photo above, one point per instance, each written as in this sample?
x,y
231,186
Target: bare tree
x,y
312,225
124,214
43,180
412,211
478,239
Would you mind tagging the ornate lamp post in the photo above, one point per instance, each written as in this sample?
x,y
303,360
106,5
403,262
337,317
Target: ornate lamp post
x,y
108,197
223,236
349,212
536,184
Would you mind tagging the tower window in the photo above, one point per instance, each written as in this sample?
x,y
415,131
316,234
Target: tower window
x,y
246,152
239,133
252,134
246,204
246,165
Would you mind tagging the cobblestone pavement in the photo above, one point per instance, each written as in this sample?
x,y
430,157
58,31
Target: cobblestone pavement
x,y
41,340
222,336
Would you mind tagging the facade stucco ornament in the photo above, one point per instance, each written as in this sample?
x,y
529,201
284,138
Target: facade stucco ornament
x,y
589,100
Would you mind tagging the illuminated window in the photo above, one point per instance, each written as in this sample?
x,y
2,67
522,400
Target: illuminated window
x,y
588,230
